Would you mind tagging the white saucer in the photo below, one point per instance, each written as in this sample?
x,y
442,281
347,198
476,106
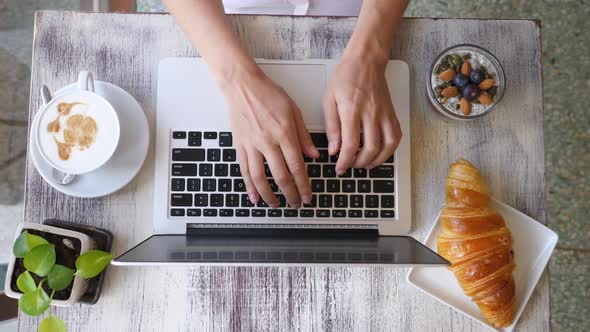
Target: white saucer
x,y
127,159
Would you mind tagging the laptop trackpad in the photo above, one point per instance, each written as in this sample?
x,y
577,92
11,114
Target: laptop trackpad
x,y
282,246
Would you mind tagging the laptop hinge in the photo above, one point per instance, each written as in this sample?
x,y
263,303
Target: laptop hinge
x,y
282,230
282,226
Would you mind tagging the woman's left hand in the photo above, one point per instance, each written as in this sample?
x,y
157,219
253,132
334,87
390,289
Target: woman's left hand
x,y
358,99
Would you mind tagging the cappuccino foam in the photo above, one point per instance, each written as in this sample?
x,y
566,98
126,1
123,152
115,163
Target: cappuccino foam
x,y
78,132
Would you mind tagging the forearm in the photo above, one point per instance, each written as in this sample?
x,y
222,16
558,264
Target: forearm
x,y
210,32
375,29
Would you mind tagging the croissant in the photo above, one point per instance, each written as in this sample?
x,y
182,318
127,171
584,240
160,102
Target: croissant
x,y
478,244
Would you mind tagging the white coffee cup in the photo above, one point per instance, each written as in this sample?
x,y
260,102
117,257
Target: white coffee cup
x,y
82,135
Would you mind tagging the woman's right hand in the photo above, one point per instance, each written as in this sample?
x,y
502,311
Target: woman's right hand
x,y
267,125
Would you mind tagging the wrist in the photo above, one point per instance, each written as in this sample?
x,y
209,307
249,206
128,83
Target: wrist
x,y
236,73
366,52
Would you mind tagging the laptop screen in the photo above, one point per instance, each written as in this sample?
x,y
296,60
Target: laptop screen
x,y
281,246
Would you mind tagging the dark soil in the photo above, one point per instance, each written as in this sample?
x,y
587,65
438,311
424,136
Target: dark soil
x,y
67,250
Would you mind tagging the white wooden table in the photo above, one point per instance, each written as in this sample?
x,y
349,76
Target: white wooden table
x,y
125,49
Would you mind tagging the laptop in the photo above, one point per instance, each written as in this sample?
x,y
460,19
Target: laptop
x,y
202,214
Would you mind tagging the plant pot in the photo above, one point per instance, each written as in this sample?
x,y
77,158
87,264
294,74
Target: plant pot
x,y
69,245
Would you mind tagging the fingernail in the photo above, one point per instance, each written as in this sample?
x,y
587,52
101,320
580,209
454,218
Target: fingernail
x,y
274,205
307,199
339,172
253,197
332,147
295,205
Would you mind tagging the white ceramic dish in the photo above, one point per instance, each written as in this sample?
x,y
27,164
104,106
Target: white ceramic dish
x,y
533,244
125,162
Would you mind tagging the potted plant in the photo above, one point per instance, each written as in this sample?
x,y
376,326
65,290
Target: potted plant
x,y
51,266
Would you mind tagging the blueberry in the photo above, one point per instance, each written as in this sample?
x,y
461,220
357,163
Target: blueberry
x,y
470,92
476,76
460,80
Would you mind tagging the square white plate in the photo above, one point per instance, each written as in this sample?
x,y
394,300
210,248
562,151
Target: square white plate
x,y
533,244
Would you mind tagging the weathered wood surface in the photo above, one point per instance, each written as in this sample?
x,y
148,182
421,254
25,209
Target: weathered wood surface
x,y
125,50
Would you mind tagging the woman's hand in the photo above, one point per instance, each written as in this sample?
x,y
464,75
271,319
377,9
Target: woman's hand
x,y
267,124
358,99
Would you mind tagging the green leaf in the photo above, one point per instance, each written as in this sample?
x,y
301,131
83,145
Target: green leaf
x,y
92,262
34,303
60,277
41,259
25,243
25,282
52,324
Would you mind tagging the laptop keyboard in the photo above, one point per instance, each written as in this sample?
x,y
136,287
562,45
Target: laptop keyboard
x,y
206,182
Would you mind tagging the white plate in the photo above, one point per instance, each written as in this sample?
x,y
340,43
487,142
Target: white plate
x,y
127,159
533,244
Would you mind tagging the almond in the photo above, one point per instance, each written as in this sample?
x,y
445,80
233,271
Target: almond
x,y
466,68
450,91
485,98
447,75
487,83
465,106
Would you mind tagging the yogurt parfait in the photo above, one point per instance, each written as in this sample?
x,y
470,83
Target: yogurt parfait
x,y
466,82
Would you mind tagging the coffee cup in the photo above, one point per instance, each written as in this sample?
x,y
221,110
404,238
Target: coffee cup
x,y
77,131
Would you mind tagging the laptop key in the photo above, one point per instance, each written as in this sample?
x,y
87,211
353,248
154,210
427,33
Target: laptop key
x,y
224,185
184,169
329,171
177,212
282,200
234,170
181,200
216,200
317,186
360,173
346,174
387,201
194,134
210,135
306,213
314,171
221,169
225,139
201,200
193,185
319,140
178,185
273,185
209,185
205,170
210,213
261,203
232,200
339,213
290,213
383,171
242,213
333,186
179,134
193,212
372,201
334,159
383,186
246,201
340,201
258,213
348,186
226,213
355,213
313,203
229,155
322,213
371,214
239,185
275,213
324,156
356,201
389,160
194,141
267,171
188,154
387,214
325,201
213,155
364,186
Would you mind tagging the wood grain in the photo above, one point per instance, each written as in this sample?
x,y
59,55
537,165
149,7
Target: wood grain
x,y
125,49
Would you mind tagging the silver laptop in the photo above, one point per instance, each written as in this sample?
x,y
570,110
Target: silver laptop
x,y
202,214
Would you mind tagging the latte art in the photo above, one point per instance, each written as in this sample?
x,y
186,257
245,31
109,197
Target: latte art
x,y
79,131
